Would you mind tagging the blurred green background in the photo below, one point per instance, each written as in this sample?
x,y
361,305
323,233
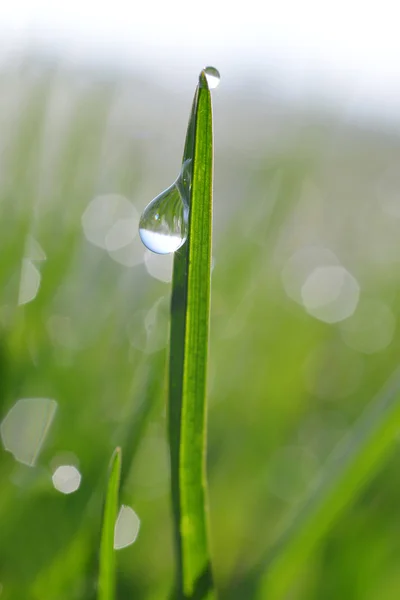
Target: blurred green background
x,y
305,290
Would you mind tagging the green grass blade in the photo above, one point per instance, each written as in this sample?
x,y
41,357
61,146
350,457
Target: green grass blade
x,y
349,468
107,552
190,308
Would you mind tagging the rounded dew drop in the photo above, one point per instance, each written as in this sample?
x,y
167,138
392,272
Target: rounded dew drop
x,y
213,77
164,222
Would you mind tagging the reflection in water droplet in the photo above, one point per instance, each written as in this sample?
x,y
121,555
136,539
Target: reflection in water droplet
x,y
164,222
29,283
126,527
24,428
213,77
66,479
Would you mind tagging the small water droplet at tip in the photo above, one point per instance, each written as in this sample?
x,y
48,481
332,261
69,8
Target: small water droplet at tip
x,y
213,77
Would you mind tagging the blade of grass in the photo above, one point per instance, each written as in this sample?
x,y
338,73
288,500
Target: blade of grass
x,y
349,468
190,308
107,553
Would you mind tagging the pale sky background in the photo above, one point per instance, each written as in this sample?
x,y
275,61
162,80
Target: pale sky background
x,y
345,51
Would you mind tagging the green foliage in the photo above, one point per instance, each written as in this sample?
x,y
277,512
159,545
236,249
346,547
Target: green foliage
x,y
190,309
107,552
351,465
284,387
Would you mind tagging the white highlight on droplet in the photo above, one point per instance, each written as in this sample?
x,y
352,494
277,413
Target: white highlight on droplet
x,y
330,294
110,222
159,266
29,282
66,479
25,427
126,527
160,243
371,328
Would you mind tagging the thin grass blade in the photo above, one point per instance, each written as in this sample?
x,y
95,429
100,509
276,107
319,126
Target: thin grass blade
x,y
106,589
190,309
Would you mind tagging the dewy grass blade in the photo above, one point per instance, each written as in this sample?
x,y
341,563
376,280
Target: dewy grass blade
x,y
349,468
190,308
106,590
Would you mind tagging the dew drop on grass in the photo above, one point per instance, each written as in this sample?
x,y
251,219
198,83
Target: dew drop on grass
x,y
213,77
164,222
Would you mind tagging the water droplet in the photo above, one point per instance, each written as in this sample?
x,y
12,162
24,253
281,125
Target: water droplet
x,y
213,77
164,222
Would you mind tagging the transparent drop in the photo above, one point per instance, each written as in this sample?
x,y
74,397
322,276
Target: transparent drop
x,y
164,222
213,77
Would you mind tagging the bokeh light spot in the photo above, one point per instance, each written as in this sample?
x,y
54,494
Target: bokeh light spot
x,y
126,527
25,427
29,282
330,294
66,479
110,222
300,265
130,255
